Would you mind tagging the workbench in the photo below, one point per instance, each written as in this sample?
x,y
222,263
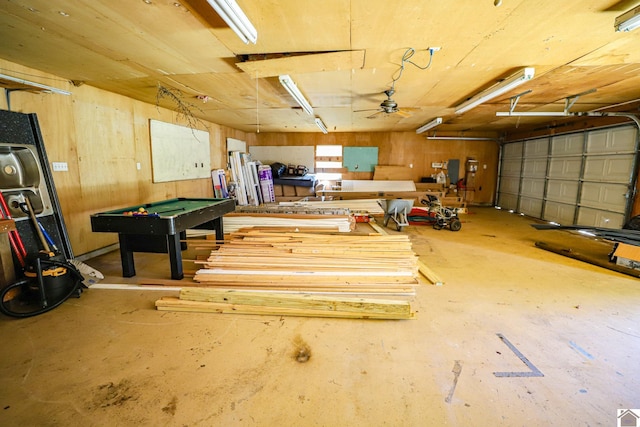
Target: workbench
x,y
161,228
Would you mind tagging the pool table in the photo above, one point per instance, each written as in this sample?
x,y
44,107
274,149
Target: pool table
x,y
158,227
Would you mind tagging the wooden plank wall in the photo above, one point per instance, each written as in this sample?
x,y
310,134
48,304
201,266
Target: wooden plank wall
x,y
404,149
102,135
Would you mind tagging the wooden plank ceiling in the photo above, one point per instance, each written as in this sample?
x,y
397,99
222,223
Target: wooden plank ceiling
x,y
343,55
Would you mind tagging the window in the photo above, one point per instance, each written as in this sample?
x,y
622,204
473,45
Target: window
x,y
328,162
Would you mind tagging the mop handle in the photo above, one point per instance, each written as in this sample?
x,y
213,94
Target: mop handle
x,y
45,245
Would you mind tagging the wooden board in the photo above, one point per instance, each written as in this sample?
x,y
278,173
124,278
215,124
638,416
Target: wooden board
x,y
377,186
297,260
7,225
7,269
301,301
296,64
176,304
392,173
429,274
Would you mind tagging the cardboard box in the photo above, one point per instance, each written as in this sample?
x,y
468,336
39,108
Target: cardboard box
x,y
288,191
628,256
305,191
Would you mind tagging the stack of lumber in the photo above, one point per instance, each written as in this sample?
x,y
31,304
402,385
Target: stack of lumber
x,y
312,262
248,302
232,222
290,215
292,208
354,205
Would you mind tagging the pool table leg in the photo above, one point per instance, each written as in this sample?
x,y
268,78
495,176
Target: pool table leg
x,y
175,256
126,257
217,225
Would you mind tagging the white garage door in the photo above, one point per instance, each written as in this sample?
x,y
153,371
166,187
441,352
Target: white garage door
x,y
582,178
510,167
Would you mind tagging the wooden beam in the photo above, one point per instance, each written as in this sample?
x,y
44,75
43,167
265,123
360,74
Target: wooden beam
x,y
307,302
429,274
176,304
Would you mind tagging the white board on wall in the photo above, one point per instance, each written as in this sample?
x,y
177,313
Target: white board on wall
x,y
294,155
179,152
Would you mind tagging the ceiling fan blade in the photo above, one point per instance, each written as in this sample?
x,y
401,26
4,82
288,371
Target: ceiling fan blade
x,y
403,113
374,115
368,109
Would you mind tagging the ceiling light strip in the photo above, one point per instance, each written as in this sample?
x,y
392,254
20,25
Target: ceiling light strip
x,y
532,114
34,85
235,18
293,90
321,125
629,20
433,123
460,138
498,89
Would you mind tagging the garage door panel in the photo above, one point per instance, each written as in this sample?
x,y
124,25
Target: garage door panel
x,y
597,218
511,167
583,177
614,140
605,196
608,169
513,150
509,185
508,201
532,188
534,168
565,167
531,207
561,213
537,148
567,144
562,191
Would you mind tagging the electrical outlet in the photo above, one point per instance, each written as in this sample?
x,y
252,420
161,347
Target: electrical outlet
x,y
60,166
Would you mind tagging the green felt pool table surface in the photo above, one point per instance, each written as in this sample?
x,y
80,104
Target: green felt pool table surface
x,y
170,207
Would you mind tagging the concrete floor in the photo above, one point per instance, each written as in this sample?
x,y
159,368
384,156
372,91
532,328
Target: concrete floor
x,y
110,359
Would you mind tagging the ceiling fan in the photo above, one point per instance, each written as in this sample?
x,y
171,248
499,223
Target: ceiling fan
x,y
388,106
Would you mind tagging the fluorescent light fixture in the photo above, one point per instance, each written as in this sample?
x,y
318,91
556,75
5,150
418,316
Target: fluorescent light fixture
x,y
321,125
460,138
532,114
235,18
34,85
498,89
292,88
629,20
433,123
